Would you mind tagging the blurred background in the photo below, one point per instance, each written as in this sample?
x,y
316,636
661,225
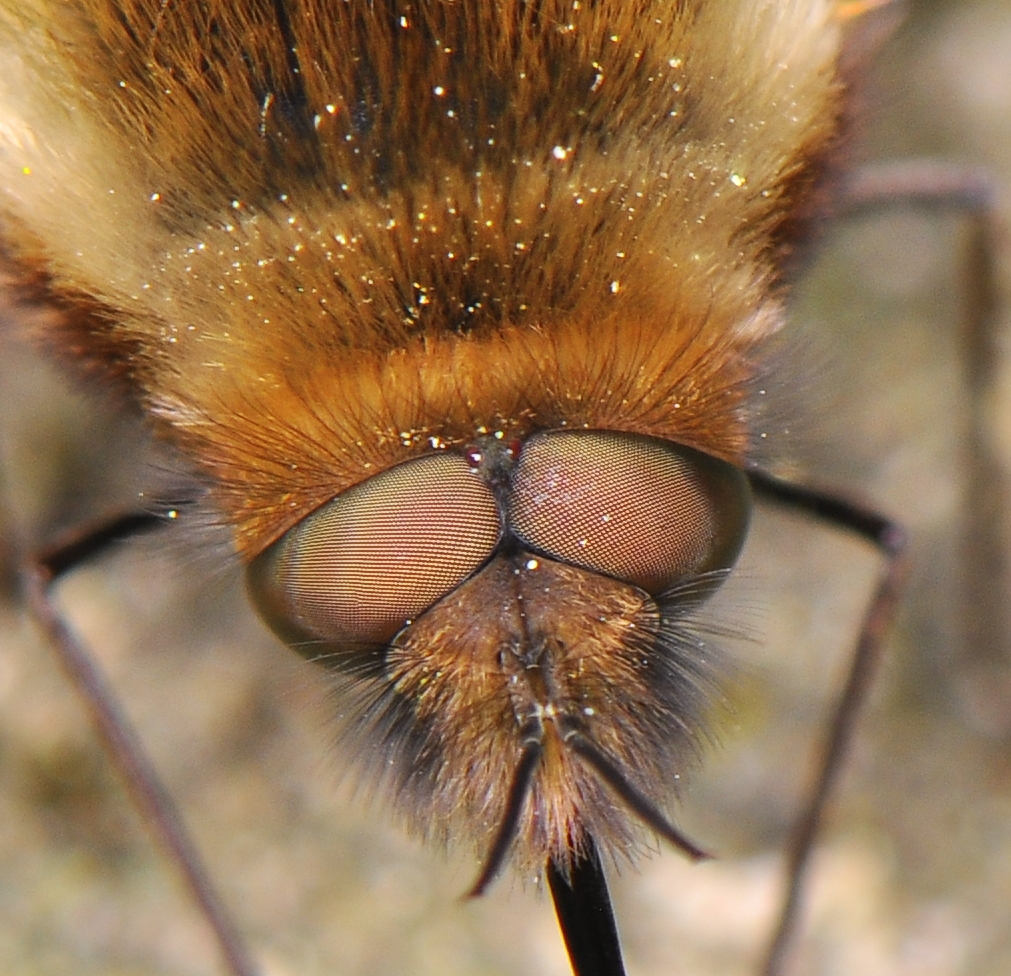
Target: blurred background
x,y
913,873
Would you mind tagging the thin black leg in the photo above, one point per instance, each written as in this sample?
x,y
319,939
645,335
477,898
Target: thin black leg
x,y
81,545
121,742
934,186
890,539
585,916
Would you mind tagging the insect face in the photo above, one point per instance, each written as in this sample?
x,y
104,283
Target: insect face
x,y
428,235
478,571
540,391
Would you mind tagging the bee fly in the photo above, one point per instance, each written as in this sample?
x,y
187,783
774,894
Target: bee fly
x,y
456,314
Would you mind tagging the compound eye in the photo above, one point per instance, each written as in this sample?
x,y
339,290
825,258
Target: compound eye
x,y
640,509
357,569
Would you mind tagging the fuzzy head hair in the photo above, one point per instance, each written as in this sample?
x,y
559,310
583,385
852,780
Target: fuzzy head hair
x,y
321,244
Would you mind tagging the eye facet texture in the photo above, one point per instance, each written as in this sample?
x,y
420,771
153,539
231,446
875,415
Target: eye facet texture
x,y
639,509
358,568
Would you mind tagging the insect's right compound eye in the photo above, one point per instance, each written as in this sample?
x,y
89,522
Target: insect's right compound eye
x,y
639,509
358,568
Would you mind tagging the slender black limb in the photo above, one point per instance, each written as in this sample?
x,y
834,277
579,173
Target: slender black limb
x,y
890,539
971,193
585,916
80,545
935,186
518,792
121,742
640,805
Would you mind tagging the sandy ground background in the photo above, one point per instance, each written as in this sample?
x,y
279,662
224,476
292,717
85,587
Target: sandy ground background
x,y
914,871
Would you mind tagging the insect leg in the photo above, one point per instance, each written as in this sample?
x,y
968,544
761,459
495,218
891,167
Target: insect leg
x,y
939,187
121,742
890,539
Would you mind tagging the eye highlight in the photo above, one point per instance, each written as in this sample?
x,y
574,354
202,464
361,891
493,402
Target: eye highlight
x,y
358,568
639,509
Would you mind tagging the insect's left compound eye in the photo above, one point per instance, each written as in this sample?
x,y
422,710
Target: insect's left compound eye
x,y
640,509
355,570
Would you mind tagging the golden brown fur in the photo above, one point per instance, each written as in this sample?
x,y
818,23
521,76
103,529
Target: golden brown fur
x,y
314,239
323,268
